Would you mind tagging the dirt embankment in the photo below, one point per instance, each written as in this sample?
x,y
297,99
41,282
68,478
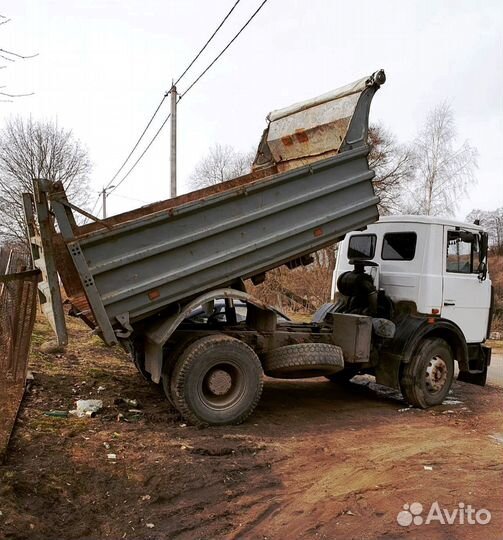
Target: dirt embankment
x,y
315,460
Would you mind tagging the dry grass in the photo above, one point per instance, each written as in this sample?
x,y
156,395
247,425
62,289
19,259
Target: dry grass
x,y
496,273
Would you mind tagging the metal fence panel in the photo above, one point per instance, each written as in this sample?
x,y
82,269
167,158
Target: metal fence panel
x,y
18,297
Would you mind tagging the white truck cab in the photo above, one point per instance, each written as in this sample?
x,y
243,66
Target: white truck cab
x,y
424,283
429,261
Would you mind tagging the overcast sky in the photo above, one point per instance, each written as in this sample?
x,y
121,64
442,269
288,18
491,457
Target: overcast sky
x,y
103,67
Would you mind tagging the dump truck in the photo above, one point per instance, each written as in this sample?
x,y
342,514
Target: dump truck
x,y
151,279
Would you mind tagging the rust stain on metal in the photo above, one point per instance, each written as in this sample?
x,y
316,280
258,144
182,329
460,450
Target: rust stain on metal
x,y
301,136
317,142
287,141
318,231
81,305
18,304
153,295
170,205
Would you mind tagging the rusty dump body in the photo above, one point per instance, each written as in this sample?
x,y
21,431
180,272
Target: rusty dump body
x,y
309,186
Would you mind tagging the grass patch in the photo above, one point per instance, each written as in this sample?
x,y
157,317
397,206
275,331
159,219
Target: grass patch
x,y
46,424
495,344
98,374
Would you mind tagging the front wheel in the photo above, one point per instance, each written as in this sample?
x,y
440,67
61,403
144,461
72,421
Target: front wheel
x,y
427,378
217,380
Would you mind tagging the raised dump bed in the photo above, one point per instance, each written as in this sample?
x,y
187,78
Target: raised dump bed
x,y
136,277
297,200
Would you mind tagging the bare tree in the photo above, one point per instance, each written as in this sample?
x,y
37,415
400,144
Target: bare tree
x,y
443,171
393,164
492,221
222,163
30,149
8,57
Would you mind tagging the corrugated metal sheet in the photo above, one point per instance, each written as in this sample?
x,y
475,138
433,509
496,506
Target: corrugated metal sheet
x,y
142,266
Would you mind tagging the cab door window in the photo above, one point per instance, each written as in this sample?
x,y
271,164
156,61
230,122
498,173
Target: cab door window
x,y
399,246
462,252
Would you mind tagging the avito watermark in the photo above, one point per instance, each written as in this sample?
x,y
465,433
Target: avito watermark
x,y
462,514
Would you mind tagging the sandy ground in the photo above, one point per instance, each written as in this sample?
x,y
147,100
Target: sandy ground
x,y
315,461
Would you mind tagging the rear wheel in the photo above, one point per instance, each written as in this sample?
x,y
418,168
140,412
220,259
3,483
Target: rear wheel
x,y
217,380
138,358
171,353
427,378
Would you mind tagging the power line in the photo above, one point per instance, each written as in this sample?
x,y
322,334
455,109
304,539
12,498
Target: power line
x,y
99,209
137,142
129,198
164,97
225,48
141,155
207,43
186,91
96,203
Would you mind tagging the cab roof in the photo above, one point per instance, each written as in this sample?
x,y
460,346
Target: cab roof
x,y
433,220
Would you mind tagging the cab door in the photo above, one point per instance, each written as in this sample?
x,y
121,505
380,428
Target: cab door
x,y
466,299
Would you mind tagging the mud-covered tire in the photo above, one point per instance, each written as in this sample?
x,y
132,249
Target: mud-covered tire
x,y
320,314
166,386
217,380
171,353
138,359
425,381
303,360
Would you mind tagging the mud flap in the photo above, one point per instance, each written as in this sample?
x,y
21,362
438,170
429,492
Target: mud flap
x,y
387,371
474,377
478,375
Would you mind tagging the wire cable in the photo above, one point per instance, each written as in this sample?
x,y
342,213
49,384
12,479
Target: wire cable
x,y
141,155
137,142
99,210
207,43
165,95
96,203
182,95
134,199
225,48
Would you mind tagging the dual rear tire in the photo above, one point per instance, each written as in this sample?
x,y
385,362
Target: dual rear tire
x,y
216,380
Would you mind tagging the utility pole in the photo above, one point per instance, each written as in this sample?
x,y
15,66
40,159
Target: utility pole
x,y
174,95
104,194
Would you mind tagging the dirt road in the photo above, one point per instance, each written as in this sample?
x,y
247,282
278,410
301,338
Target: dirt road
x,y
316,461
495,373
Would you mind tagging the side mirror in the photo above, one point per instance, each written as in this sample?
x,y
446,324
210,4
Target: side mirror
x,y
466,236
484,243
482,269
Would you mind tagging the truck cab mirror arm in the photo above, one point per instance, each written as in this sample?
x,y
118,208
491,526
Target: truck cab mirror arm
x,y
482,269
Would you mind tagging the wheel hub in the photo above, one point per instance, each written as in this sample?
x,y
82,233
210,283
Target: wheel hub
x,y
436,374
219,382
222,386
